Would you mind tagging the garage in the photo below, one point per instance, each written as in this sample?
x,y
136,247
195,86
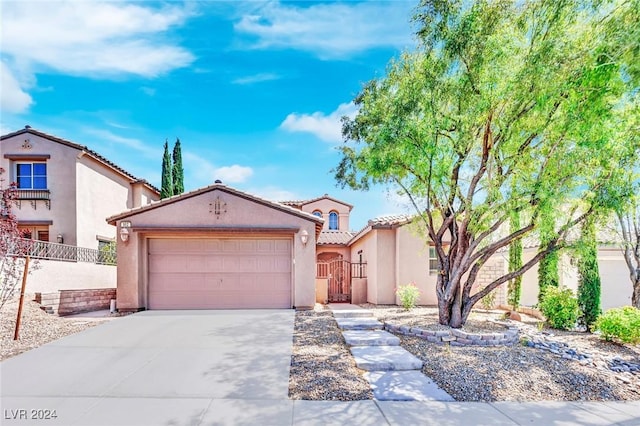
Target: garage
x,y
219,273
215,248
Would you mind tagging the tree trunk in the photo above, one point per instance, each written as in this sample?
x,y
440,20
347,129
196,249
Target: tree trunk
x,y
635,298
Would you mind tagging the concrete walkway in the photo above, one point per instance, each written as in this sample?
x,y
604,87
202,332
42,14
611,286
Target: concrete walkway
x,y
392,371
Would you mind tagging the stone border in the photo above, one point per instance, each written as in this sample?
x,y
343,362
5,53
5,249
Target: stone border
x,y
458,337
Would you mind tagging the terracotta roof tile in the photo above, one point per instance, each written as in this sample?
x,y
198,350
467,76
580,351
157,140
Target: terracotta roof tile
x,y
334,237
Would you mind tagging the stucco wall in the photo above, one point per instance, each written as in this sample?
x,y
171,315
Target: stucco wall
x,y
367,244
196,212
413,261
325,252
326,206
616,287
61,177
53,275
101,193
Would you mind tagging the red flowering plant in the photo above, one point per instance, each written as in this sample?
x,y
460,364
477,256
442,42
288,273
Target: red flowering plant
x,y
13,247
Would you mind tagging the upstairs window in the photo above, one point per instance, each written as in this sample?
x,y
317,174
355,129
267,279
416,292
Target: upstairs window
x,y
31,175
317,213
333,221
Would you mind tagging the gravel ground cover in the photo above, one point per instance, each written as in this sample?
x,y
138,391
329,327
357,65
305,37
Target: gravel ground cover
x,y
322,367
36,328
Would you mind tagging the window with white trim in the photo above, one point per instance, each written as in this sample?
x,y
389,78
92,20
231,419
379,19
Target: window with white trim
x,y
32,175
333,221
433,261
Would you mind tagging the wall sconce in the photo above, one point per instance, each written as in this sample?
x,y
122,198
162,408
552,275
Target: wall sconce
x,y
124,230
60,239
304,237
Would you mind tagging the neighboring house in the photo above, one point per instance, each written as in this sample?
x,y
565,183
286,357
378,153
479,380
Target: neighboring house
x,y
64,193
216,247
66,190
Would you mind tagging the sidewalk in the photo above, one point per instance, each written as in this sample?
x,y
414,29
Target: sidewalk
x,y
465,413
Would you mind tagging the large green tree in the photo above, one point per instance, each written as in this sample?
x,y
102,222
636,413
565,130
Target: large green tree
x,y
504,107
177,171
166,186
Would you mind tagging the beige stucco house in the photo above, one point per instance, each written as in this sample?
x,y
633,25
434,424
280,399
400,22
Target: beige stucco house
x,y
391,251
216,247
66,190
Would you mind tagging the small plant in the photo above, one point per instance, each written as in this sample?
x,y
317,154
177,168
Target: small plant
x,y
488,300
620,323
540,325
409,295
560,307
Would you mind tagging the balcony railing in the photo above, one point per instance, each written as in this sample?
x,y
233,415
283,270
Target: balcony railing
x,y
33,196
54,251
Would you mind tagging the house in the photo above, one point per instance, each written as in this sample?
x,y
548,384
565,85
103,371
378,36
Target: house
x,y
368,265
216,247
64,193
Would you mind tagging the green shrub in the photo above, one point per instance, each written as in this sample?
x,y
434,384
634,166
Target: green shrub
x,y
621,323
560,307
409,295
488,300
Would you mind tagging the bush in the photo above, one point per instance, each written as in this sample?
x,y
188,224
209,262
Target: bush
x,y
621,323
488,301
560,307
409,295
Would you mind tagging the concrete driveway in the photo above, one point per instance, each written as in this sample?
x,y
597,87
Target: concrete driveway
x,y
158,368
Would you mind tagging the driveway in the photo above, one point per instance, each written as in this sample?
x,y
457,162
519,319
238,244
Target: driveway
x,y
158,367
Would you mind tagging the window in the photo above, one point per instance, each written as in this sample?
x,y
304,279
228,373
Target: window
x,y
433,261
333,221
317,213
31,175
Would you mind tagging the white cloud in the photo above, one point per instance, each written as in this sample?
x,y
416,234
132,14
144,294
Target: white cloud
x,y
326,127
203,173
89,39
93,38
330,30
149,91
257,78
233,174
273,193
131,143
12,98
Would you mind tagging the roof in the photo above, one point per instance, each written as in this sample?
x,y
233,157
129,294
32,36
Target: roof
x,y
222,187
334,237
300,203
383,222
83,148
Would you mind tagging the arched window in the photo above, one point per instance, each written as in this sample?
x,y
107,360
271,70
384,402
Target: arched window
x,y
333,221
317,213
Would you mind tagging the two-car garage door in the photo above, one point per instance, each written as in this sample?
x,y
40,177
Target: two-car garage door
x,y
219,273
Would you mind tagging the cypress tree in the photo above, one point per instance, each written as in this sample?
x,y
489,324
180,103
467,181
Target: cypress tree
x,y
515,262
166,188
548,275
178,171
589,275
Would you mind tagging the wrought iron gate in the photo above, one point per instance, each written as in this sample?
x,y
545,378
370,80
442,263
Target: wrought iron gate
x,y
338,274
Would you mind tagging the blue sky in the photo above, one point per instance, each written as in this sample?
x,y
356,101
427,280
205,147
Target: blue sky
x,y
254,90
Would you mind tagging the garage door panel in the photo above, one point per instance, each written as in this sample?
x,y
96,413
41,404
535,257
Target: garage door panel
x,y
219,273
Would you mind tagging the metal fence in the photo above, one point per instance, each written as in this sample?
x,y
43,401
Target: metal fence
x,y
54,251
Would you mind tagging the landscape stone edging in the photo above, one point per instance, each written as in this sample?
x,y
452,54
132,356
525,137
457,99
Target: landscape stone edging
x,y
457,337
